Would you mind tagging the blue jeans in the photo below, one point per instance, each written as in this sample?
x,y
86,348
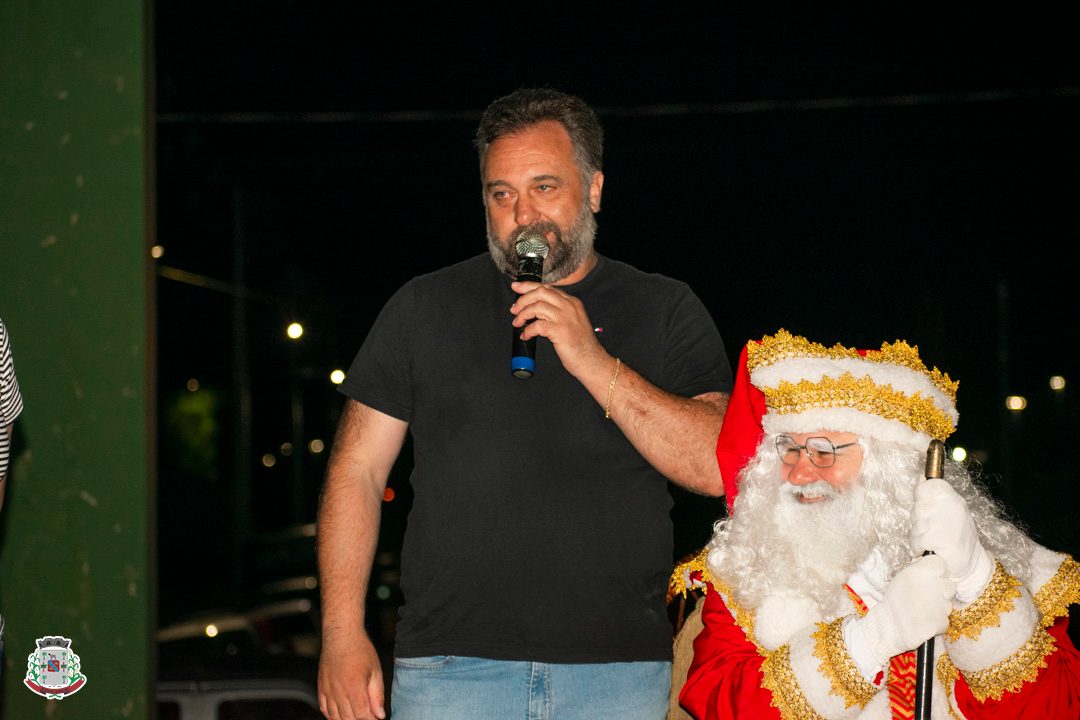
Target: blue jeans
x,y
446,687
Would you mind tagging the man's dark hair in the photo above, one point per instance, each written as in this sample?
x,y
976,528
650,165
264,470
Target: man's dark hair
x,y
527,107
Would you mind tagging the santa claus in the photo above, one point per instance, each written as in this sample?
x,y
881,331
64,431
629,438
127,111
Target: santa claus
x,y
839,558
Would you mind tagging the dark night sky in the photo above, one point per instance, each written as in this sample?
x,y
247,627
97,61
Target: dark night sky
x,y
852,178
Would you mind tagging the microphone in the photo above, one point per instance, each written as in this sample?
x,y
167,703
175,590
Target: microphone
x,y
531,249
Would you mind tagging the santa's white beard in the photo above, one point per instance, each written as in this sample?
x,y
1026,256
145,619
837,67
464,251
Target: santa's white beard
x,y
775,544
824,538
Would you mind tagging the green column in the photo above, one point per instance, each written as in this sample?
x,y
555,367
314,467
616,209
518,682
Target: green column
x,y
77,528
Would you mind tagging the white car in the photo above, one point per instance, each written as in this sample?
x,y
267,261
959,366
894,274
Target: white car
x,y
254,699
258,664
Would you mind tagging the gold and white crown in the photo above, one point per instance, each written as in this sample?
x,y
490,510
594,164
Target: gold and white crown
x,y
887,394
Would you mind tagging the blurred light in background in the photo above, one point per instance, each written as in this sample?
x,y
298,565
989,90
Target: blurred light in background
x,y
211,630
388,494
337,377
268,460
295,330
193,384
316,446
1057,383
959,454
286,449
157,251
1016,403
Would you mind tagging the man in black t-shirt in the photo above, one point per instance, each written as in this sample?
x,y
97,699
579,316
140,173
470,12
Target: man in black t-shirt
x,y
537,550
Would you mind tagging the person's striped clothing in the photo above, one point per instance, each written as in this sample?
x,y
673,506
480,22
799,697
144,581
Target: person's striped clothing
x,y
10,400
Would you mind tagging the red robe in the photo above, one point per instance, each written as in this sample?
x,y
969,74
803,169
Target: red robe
x,y
725,678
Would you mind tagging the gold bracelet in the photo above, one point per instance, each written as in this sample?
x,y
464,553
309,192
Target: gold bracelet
x,y
611,388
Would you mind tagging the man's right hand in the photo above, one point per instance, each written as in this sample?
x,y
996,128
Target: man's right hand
x,y
350,680
365,447
915,608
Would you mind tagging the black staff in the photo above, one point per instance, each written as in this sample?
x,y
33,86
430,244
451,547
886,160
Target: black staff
x,y
924,658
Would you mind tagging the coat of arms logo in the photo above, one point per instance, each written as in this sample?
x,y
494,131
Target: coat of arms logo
x,y
53,670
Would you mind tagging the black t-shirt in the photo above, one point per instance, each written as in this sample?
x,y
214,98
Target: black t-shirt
x,y
537,531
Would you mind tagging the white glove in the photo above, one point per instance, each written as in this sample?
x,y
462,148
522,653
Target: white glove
x,y
942,523
915,608
870,578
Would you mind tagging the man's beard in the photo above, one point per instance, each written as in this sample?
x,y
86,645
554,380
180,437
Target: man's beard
x,y
571,248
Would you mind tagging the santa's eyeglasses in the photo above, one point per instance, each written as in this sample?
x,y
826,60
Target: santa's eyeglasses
x,y
821,451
